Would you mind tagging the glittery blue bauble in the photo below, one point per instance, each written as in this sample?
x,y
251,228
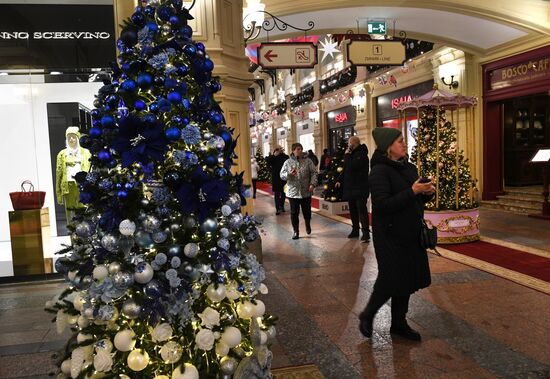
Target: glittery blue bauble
x,y
149,11
95,113
122,194
170,83
118,186
226,136
164,13
191,135
182,69
138,19
85,197
187,31
104,155
221,172
174,97
111,100
144,80
185,103
150,119
154,107
105,184
128,85
200,46
215,117
172,133
107,121
190,50
152,289
177,120
208,65
211,160
221,279
95,132
139,105
164,105
128,186
174,20
215,86
185,121
144,239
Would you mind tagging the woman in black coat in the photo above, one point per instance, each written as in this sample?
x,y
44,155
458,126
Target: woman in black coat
x,y
398,199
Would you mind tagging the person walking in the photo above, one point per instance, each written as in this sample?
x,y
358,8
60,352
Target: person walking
x,y
398,198
325,160
311,155
254,167
275,162
301,176
355,181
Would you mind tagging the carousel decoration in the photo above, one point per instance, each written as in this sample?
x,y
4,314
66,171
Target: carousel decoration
x,y
453,209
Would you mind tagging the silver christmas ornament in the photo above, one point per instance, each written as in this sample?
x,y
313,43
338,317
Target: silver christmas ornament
x,y
174,250
190,222
226,210
144,239
191,250
209,225
151,224
127,227
207,135
228,365
175,227
130,309
114,267
235,220
160,236
109,242
123,279
144,202
84,229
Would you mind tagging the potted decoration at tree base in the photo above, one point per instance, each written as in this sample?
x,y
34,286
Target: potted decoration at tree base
x,y
453,209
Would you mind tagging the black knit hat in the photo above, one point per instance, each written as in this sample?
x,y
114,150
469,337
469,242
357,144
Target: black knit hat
x,y
384,137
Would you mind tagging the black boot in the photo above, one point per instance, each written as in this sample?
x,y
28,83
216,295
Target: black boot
x,y
295,235
365,324
308,227
354,233
406,331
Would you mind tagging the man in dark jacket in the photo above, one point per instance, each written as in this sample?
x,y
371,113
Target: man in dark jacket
x,y
275,162
355,182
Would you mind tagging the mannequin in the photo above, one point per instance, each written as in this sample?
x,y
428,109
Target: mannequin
x,y
70,161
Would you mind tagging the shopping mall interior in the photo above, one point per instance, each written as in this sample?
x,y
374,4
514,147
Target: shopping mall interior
x,y
275,189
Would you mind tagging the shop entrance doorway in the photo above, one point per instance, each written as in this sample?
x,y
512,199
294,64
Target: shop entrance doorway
x,y
337,134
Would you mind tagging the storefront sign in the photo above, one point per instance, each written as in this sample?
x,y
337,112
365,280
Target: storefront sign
x,y
522,73
341,117
56,36
386,105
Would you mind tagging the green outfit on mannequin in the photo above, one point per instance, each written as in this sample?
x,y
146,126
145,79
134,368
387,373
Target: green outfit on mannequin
x,y
70,161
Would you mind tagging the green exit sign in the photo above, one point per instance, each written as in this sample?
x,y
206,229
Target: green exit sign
x,y
376,27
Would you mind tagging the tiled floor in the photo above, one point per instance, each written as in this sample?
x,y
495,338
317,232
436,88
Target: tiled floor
x,y
474,325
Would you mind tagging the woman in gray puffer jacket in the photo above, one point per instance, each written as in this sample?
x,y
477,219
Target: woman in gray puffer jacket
x,y
301,176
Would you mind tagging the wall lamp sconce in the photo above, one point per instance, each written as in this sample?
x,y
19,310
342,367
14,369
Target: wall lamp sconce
x,y
453,84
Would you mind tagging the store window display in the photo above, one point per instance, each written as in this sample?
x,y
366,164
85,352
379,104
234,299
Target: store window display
x,y
70,161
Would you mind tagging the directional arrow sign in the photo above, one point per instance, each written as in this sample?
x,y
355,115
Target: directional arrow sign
x,y
366,53
287,55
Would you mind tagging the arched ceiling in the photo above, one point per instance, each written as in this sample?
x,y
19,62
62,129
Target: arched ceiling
x,y
480,27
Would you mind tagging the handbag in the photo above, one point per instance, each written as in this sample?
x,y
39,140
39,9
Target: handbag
x,y
428,236
27,199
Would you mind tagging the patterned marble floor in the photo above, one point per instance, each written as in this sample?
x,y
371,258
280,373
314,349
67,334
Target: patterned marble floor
x,y
474,324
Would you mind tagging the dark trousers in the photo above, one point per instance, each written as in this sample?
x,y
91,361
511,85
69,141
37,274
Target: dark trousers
x,y
254,181
279,197
295,205
359,214
399,307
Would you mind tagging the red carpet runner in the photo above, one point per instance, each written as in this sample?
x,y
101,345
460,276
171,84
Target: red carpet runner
x,y
515,260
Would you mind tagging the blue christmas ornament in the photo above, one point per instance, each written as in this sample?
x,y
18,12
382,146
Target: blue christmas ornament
x,y
154,107
215,86
200,46
107,121
191,135
164,13
152,26
95,132
104,156
138,18
186,104
150,119
187,31
170,83
226,136
174,20
144,80
208,65
174,250
182,88
128,85
190,50
152,289
240,288
128,186
160,236
139,105
164,105
125,66
221,172
85,197
176,120
105,184
111,100
211,160
172,133
215,117
149,11
174,97
182,69
185,121
122,194
118,186
95,113
122,110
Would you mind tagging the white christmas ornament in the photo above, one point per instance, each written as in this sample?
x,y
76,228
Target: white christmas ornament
x,y
80,337
77,361
191,250
61,321
245,309
189,372
162,332
231,336
171,352
127,227
231,291
103,361
210,317
104,345
263,289
205,339
124,340
138,359
216,294
263,337
78,302
83,321
66,367
144,274
100,272
259,309
328,47
222,349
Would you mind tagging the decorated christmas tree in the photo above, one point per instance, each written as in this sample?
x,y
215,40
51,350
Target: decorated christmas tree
x,y
160,281
330,192
438,158
264,174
